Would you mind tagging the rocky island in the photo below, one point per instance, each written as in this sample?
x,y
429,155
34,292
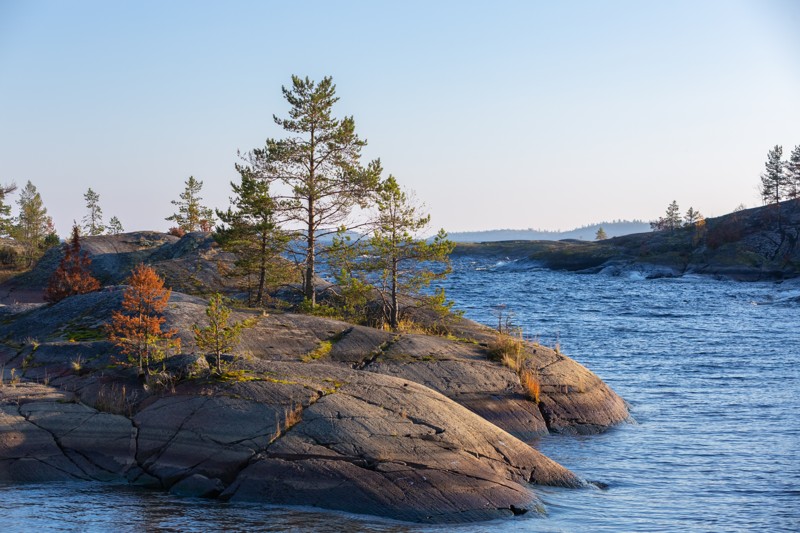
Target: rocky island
x,y
314,411
762,243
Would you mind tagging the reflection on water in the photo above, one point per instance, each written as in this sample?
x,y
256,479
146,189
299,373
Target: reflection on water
x,y
711,370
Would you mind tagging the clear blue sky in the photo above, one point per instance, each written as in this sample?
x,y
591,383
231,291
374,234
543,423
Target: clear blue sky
x,y
497,114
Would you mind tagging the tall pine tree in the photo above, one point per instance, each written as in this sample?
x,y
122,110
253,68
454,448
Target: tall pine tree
x,y
692,216
319,163
6,220
249,231
32,226
404,260
115,226
93,220
396,260
673,216
192,215
793,173
773,180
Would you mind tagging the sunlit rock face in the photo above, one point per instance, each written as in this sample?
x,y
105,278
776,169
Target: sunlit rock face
x,y
408,426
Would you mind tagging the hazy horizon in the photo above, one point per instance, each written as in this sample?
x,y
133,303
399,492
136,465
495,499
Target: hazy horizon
x,y
516,115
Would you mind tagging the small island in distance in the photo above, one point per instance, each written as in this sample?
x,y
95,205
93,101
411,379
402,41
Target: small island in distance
x,y
585,233
761,243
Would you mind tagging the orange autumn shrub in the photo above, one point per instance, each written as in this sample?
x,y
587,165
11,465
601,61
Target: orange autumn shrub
x,y
136,329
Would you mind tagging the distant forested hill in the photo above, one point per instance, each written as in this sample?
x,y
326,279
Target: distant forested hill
x,y
586,233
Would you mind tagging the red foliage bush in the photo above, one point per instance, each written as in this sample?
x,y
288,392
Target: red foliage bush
x,y
72,275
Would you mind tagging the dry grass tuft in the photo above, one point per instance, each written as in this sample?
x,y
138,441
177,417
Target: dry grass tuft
x,y
509,348
76,364
115,400
291,416
530,382
410,326
160,382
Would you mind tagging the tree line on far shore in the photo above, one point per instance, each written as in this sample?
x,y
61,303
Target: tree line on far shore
x,y
780,181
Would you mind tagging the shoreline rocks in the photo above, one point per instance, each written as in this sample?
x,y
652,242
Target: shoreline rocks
x,y
406,426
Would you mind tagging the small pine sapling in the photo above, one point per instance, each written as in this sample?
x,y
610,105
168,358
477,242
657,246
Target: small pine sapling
x,y
219,337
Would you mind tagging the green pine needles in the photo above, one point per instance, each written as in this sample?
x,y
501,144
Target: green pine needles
x,y
220,337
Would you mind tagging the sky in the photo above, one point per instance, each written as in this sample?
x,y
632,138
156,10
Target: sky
x,y
528,114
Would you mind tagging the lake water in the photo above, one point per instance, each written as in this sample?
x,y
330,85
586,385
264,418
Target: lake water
x,y
711,370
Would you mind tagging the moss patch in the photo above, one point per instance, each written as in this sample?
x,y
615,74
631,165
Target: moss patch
x,y
84,334
321,351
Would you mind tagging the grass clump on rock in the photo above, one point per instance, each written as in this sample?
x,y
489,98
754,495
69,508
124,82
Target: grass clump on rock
x,y
509,349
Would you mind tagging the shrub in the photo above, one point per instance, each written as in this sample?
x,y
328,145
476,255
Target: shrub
x,y
72,275
307,307
9,256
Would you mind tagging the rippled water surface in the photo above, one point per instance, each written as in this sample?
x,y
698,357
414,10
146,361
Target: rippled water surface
x,y
710,368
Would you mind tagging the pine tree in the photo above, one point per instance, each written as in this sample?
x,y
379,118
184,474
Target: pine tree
x,y
320,165
249,231
692,217
6,220
353,289
93,221
72,275
136,329
773,180
192,215
793,173
601,234
405,263
115,226
32,225
219,337
673,216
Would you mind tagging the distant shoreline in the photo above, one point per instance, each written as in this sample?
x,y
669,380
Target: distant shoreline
x,y
756,244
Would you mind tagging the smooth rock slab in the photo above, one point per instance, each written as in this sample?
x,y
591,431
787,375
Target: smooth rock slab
x,y
389,447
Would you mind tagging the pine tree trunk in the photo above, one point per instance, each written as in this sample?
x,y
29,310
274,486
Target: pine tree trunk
x,y
262,270
394,318
309,277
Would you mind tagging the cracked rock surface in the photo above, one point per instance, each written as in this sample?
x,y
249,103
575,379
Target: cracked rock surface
x,y
411,427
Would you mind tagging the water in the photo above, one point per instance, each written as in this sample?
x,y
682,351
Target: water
x,y
710,368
